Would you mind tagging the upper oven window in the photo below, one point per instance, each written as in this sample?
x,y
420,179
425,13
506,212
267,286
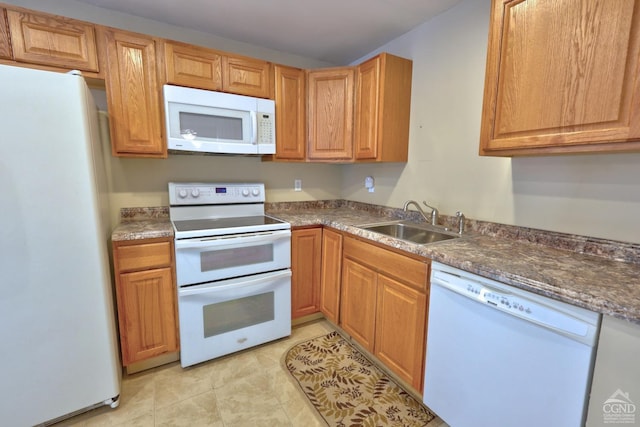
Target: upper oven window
x,y
217,259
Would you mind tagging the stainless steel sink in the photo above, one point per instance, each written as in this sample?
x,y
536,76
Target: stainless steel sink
x,y
411,232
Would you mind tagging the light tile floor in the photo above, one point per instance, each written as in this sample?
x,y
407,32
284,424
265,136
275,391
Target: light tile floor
x,y
250,388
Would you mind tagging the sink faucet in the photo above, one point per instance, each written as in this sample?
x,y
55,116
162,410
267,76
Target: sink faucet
x,y
460,217
433,219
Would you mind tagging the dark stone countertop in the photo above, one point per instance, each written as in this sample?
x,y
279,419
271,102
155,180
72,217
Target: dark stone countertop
x,y
596,283
556,269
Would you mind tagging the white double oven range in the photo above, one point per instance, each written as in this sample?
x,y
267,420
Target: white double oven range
x,y
233,266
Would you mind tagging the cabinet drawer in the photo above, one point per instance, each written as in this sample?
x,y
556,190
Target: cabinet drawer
x,y
408,270
147,255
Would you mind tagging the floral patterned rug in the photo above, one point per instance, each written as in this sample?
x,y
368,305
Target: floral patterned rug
x,y
347,389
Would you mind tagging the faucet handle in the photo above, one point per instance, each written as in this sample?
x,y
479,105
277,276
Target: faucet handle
x,y
460,217
434,213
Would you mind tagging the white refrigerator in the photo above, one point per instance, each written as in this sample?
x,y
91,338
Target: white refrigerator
x,y
58,351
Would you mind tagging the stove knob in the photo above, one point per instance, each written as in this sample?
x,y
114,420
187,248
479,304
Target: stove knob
x,y
195,192
245,192
255,192
182,193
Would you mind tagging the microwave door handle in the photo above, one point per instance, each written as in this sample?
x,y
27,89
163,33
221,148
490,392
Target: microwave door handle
x,y
254,127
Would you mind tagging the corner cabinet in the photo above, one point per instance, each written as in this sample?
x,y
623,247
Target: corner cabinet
x,y
383,104
146,298
330,114
562,77
384,306
306,246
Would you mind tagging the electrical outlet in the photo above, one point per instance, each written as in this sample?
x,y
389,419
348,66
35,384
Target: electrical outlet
x,y
297,185
369,184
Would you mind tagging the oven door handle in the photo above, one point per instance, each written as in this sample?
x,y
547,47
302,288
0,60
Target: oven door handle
x,y
233,284
211,242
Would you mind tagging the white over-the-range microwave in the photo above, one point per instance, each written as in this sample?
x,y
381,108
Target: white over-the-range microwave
x,y
205,121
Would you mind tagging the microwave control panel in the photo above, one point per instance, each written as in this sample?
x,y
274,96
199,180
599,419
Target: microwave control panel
x,y
266,128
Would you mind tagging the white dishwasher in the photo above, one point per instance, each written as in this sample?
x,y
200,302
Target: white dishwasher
x,y
500,356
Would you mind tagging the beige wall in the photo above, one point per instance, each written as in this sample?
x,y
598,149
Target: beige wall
x,y
143,182
595,195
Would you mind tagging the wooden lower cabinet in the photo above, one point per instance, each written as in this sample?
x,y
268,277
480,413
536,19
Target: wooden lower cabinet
x,y
306,245
146,298
358,302
331,273
400,329
384,306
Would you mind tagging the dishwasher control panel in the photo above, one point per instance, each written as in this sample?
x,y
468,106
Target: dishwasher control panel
x,y
562,317
497,299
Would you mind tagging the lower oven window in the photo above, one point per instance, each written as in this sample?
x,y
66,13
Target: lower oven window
x,y
228,258
228,316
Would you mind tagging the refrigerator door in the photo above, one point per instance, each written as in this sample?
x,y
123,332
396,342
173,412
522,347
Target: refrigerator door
x,y
59,348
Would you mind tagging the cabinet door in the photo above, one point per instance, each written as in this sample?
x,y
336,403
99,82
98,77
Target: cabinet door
x,y
146,301
291,119
133,96
358,302
5,46
56,41
192,66
247,76
383,103
306,255
331,274
562,77
330,114
401,308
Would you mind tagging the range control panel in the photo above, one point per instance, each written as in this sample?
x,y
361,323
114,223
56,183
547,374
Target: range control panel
x,y
197,193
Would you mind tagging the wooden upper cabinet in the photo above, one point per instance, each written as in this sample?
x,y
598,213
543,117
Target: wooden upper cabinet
x,y
562,77
52,40
192,66
247,76
291,119
5,43
383,103
330,114
133,95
